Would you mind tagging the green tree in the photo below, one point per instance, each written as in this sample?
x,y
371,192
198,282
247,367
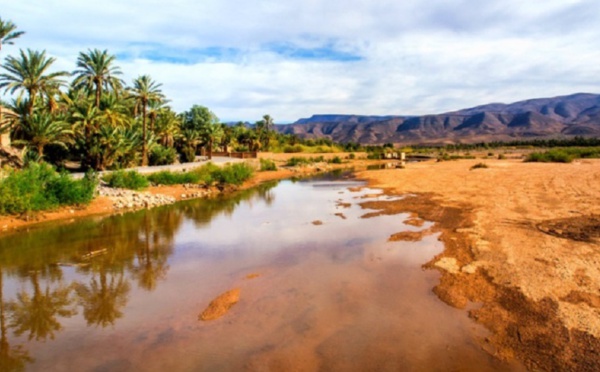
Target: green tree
x,y
43,129
264,129
96,71
8,33
145,90
206,123
29,73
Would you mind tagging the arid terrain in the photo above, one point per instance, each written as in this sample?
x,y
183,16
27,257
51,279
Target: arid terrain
x,y
522,248
522,244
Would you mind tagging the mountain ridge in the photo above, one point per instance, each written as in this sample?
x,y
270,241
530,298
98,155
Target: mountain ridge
x,y
561,116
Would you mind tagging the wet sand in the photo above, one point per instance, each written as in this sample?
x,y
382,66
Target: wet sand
x,y
522,244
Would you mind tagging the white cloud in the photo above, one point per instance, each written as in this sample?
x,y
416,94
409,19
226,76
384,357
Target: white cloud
x,y
296,58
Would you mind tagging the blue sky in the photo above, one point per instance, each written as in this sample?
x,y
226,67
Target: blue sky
x,y
295,58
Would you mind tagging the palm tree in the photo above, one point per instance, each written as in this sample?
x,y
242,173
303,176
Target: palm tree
x,y
263,128
8,33
29,73
97,71
43,129
145,91
211,133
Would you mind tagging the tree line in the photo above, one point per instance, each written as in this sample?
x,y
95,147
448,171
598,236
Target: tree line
x,y
93,116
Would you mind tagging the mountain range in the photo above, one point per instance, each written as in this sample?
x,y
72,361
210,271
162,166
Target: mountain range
x,y
564,116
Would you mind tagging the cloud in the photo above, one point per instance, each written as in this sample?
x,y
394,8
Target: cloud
x,y
296,58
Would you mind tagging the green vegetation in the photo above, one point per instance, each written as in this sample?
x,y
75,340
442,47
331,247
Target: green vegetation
x,y
564,155
267,165
479,166
126,180
173,178
446,157
234,174
335,160
39,187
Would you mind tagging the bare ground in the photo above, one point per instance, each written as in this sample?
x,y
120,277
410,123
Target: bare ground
x,y
521,242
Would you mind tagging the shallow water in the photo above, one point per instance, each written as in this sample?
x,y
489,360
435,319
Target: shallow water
x,y
123,293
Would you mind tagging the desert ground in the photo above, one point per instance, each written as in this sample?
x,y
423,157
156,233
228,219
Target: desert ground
x,y
522,249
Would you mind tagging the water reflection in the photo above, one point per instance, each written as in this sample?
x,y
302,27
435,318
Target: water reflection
x,y
102,258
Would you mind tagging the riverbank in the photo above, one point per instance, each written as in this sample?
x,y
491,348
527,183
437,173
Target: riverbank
x,y
522,251
109,201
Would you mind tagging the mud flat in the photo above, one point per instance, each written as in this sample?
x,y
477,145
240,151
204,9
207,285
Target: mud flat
x,y
522,251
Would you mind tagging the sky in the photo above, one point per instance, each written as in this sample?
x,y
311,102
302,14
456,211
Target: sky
x,y
295,58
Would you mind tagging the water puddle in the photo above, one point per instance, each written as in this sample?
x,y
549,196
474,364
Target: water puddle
x,y
125,293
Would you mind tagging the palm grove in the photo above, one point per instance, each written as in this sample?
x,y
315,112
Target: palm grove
x,y
91,115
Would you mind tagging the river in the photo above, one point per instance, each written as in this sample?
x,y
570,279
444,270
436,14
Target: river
x,y
321,288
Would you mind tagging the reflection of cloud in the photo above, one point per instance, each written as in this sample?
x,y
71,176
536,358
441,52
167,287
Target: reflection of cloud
x,y
296,58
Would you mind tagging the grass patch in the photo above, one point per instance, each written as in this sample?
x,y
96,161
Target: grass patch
x,y
131,180
39,187
294,161
234,174
173,178
267,165
564,155
479,166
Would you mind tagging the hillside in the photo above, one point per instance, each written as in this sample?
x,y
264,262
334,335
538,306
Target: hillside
x,y
577,114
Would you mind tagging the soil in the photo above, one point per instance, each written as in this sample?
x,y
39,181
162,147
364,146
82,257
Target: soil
x,y
522,247
521,251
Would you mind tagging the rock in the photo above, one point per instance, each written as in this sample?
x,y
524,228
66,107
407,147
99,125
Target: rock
x,y
220,305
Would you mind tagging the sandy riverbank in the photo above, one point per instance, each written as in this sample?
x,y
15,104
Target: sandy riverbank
x,y
522,243
522,248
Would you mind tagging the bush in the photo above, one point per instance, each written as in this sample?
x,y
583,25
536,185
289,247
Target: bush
x,y
551,156
126,180
161,155
479,166
234,174
267,165
172,178
292,149
336,160
67,191
352,156
205,173
39,187
501,156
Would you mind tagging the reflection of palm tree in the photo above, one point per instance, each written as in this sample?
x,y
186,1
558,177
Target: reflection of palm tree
x,y
157,245
37,314
102,300
11,358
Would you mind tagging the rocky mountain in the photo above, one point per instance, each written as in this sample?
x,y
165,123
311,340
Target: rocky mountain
x,y
577,114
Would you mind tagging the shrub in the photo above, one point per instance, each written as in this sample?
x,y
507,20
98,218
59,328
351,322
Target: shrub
x,y
501,156
292,149
40,187
205,173
479,166
161,155
67,191
352,156
294,161
551,156
126,180
336,160
173,178
267,165
234,174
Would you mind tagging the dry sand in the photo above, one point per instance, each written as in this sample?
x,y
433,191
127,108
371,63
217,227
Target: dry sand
x,y
521,242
